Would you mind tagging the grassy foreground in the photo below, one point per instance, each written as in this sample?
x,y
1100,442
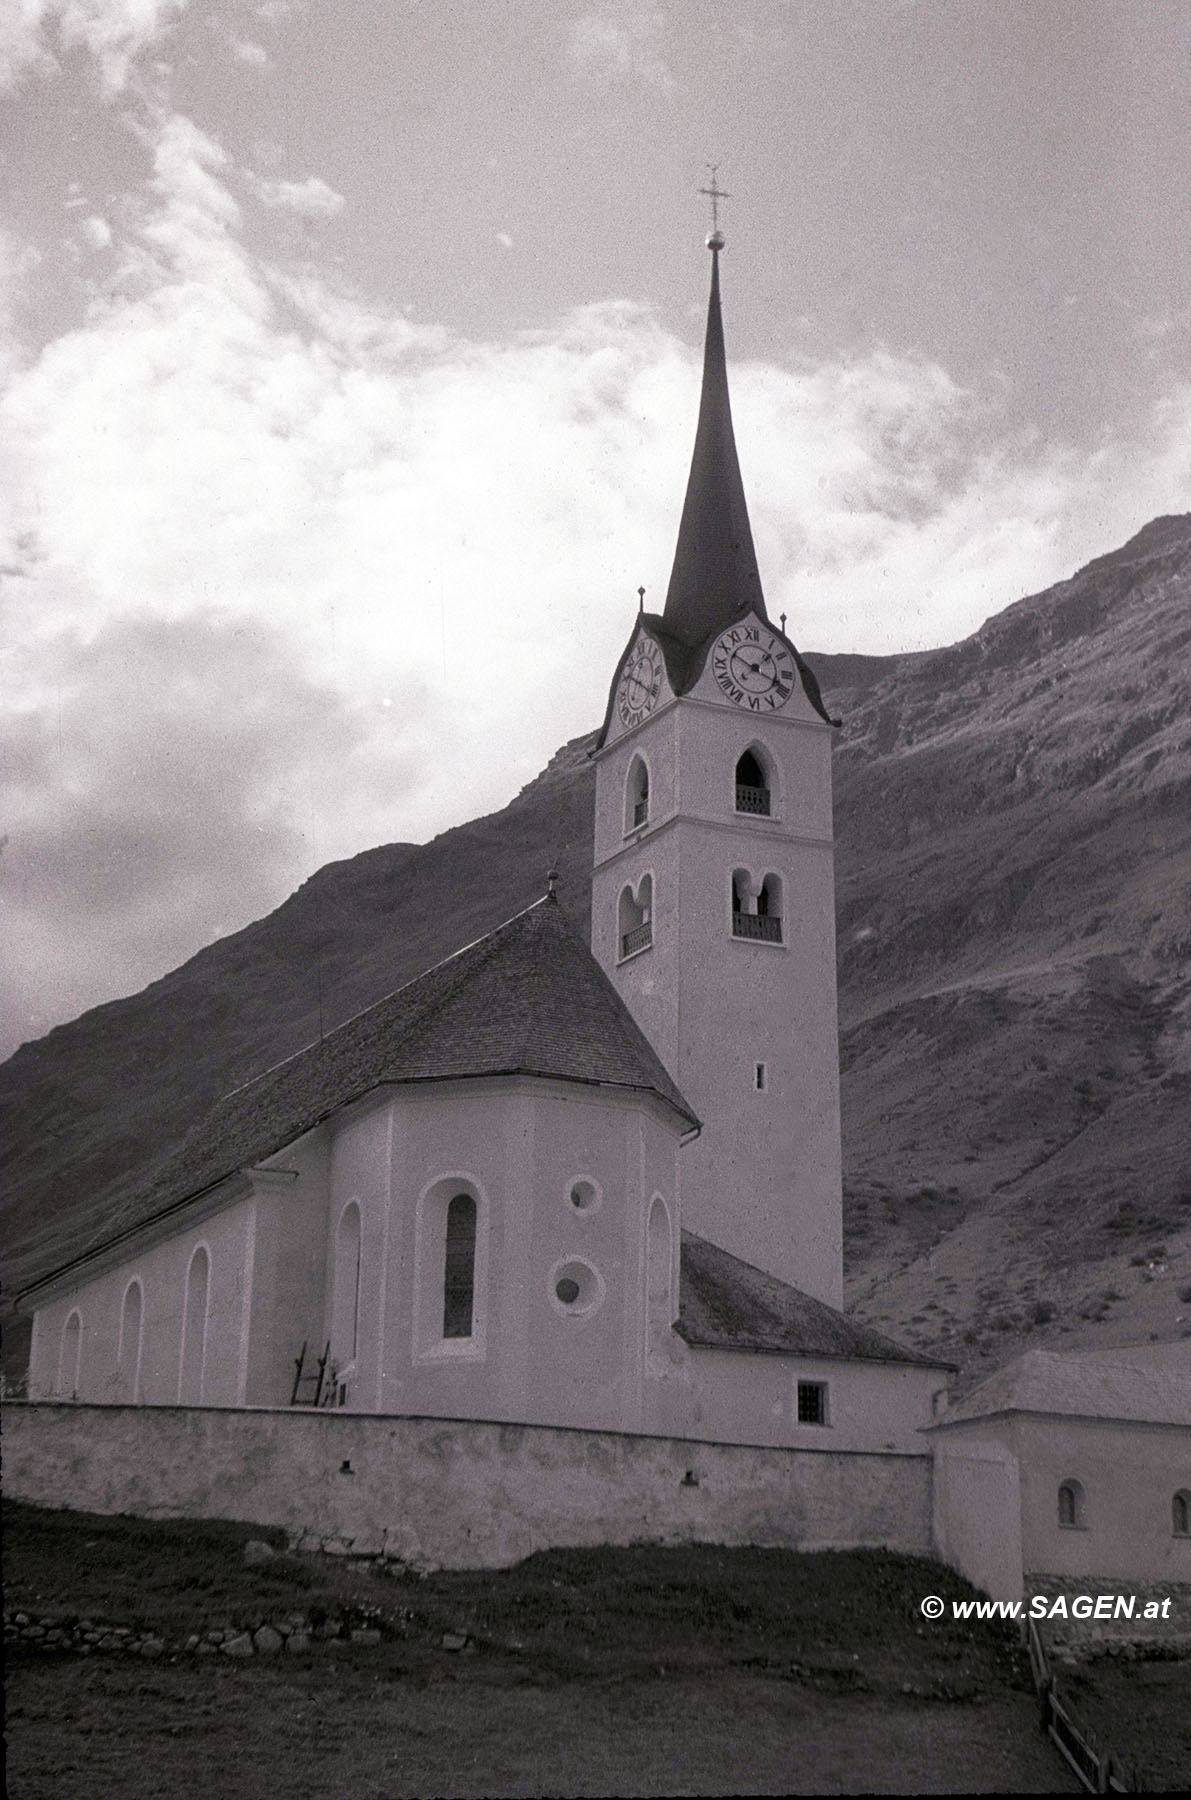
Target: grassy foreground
x,y
646,1670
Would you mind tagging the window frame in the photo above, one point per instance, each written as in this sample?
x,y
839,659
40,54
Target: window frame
x,y
806,1385
429,1345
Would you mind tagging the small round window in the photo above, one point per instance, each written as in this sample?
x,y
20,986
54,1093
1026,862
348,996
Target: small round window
x,y
583,1195
576,1289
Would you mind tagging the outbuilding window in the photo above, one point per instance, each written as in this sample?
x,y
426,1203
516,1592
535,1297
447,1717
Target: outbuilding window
x,y
1180,1514
1072,1506
812,1403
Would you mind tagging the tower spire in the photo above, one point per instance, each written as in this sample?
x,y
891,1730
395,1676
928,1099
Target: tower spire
x,y
715,579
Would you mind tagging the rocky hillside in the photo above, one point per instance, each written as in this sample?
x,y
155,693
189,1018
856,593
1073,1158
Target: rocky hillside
x,y
1013,817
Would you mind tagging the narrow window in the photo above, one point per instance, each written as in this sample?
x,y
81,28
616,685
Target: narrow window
x,y
659,1253
70,1356
636,918
345,1300
637,795
1180,1514
752,786
129,1352
812,1403
194,1330
760,1077
1071,1505
459,1268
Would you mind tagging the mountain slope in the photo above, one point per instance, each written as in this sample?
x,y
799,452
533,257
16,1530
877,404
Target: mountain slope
x,y
1013,819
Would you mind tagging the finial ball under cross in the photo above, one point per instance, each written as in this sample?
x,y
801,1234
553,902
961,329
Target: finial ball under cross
x,y
715,194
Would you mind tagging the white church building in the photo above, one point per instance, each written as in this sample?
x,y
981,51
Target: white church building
x,y
587,1190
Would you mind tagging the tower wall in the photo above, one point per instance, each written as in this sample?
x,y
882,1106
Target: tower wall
x,y
763,1178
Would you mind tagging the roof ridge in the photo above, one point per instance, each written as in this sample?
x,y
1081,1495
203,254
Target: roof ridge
x,y
384,1000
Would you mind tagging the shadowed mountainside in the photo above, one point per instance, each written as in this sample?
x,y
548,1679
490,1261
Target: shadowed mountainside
x,y
1013,819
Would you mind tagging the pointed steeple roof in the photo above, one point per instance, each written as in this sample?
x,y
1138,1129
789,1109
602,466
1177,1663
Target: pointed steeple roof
x,y
715,579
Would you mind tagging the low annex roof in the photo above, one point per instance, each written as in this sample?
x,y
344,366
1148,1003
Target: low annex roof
x,y
727,1304
528,999
1150,1383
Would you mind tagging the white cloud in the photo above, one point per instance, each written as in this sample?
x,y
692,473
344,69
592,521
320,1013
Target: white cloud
x,y
262,521
115,32
310,199
96,232
23,49
622,43
245,51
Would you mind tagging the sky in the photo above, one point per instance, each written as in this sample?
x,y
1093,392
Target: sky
x,y
350,362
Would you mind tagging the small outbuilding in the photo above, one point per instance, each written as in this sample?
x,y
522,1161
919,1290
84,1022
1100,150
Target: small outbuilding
x,y
1074,1464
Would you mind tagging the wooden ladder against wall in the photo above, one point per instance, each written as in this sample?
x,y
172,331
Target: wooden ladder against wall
x,y
312,1378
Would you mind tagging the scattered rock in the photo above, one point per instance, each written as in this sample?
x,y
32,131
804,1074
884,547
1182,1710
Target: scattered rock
x,y
454,1640
365,1634
267,1641
297,1641
240,1645
257,1551
152,1647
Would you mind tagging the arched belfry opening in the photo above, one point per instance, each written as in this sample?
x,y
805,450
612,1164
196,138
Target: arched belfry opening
x,y
635,918
636,797
757,906
754,788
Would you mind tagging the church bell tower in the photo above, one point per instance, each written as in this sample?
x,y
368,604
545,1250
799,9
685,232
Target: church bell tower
x,y
713,904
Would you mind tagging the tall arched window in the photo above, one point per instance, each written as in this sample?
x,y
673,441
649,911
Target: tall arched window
x,y
345,1289
70,1354
192,1370
1071,1505
635,918
753,789
1180,1514
636,796
459,1268
128,1354
658,1258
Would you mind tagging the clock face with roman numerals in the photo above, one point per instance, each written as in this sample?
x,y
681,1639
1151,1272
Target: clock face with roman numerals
x,y
640,683
753,668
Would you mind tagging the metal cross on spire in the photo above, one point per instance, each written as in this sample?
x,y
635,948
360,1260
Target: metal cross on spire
x,y
715,194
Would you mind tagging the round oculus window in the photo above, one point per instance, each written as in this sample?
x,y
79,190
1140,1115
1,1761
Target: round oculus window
x,y
576,1288
584,1195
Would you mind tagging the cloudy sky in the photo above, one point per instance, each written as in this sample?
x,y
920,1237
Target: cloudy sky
x,y
350,360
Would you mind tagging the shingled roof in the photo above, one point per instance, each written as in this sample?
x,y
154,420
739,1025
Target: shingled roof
x,y
1150,1382
727,1304
528,999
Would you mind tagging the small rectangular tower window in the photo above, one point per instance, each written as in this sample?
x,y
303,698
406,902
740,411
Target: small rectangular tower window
x,y
812,1403
760,1078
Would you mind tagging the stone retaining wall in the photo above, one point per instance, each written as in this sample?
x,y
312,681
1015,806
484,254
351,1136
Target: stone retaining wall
x,y
457,1493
